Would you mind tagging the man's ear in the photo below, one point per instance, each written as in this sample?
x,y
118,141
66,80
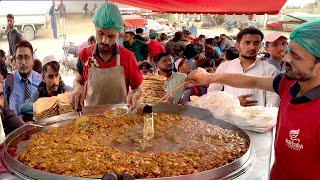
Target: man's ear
x,y
237,45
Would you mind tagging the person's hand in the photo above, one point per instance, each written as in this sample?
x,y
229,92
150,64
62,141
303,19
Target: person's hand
x,y
78,97
245,102
202,56
199,77
132,99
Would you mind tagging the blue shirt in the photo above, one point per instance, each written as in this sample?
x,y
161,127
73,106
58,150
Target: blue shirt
x,y
193,30
17,94
276,64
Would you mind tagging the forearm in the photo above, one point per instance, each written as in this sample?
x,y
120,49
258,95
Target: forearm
x,y
78,81
137,91
243,81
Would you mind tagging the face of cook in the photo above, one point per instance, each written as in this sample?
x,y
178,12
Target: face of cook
x,y
24,61
51,78
106,38
10,22
1,98
300,64
277,48
165,64
184,67
249,46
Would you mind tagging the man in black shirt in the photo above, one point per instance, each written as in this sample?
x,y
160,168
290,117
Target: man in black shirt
x,y
14,37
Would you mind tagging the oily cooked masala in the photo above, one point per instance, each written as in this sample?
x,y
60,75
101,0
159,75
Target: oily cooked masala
x,y
182,145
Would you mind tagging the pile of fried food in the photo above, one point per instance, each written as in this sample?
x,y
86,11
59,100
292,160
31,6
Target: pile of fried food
x,y
52,106
152,88
182,145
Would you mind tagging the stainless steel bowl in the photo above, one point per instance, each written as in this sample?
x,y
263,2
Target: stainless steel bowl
x,y
116,106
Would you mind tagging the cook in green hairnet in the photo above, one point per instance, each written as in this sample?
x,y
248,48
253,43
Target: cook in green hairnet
x,y
297,138
105,70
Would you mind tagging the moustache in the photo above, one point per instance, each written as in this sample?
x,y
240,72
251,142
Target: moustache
x,y
288,65
104,45
252,51
54,86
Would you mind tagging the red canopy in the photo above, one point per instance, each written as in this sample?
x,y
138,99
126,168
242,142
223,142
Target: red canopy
x,y
134,23
208,6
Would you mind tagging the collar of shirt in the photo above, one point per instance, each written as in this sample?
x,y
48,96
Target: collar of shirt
x,y
311,95
18,76
116,51
275,63
250,67
164,76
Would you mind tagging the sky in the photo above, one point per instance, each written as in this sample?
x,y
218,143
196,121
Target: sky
x,y
298,2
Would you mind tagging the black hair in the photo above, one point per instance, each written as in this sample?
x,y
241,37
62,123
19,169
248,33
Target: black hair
x,y
10,16
92,38
37,66
210,41
53,64
139,30
249,30
2,55
145,65
223,34
24,43
232,53
130,33
177,36
163,37
206,62
192,50
157,57
3,68
202,36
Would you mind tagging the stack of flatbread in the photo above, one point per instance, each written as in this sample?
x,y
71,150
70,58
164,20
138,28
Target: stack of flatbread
x,y
45,107
153,88
65,103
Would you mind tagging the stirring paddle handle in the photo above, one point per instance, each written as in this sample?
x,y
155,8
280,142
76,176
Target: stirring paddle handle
x,y
172,91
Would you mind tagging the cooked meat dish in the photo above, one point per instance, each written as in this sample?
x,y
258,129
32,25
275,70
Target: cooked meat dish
x,y
181,145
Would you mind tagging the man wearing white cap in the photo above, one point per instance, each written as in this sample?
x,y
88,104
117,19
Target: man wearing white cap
x,y
276,45
51,85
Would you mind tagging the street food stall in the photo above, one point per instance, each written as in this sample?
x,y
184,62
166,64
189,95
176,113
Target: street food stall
x,y
186,142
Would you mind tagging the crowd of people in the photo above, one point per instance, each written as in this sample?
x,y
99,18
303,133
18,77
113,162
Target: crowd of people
x,y
109,72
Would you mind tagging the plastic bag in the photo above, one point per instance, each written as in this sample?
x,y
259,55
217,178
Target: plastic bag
x,y
218,103
254,118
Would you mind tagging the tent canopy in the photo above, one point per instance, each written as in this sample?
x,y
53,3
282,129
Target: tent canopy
x,y
208,6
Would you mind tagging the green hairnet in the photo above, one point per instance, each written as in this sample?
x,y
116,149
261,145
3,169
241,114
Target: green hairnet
x,y
108,16
153,35
307,36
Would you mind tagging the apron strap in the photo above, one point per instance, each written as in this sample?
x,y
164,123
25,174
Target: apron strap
x,y
118,59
